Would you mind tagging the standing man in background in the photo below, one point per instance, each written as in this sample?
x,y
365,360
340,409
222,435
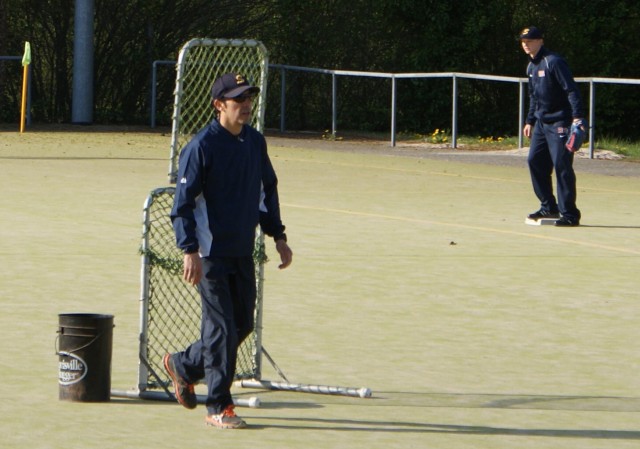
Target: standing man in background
x,y
555,103
226,187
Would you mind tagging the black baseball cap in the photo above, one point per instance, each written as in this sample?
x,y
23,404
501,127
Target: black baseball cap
x,y
531,33
232,85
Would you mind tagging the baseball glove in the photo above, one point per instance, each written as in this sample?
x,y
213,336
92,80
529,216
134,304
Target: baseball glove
x,y
576,136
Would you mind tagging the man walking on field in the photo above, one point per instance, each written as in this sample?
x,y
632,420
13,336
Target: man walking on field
x,y
555,104
226,187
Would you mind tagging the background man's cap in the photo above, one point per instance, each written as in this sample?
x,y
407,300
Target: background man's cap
x,y
231,85
531,33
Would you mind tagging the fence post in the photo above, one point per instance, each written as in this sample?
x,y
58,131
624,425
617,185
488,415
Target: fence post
x,y
393,110
153,94
154,87
592,117
520,114
283,85
454,113
334,107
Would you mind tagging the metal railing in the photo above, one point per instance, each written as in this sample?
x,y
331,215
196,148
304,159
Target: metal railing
x,y
394,77
592,101
455,76
154,87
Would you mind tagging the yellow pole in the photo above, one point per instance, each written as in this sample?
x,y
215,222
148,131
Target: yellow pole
x,y
23,109
26,60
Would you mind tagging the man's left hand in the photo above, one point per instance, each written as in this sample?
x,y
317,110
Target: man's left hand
x,y
286,255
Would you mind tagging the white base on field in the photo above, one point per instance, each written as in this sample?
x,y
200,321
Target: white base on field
x,y
541,222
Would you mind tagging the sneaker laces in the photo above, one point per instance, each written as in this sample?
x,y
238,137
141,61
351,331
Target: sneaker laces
x,y
229,412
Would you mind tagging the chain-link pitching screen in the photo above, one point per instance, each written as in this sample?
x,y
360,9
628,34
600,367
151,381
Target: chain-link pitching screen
x,y
200,62
170,308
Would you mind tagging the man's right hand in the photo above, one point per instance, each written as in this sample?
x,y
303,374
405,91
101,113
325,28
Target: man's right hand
x,y
527,130
192,270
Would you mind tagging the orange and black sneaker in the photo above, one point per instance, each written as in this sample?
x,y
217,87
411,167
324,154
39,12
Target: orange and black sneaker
x,y
184,391
226,420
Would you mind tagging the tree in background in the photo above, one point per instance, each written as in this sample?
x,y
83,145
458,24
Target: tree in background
x,y
129,36
6,94
474,36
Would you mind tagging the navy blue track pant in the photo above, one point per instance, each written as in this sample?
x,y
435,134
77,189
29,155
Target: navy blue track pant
x,y
228,295
546,153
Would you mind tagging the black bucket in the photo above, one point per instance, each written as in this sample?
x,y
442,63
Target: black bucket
x,y
84,350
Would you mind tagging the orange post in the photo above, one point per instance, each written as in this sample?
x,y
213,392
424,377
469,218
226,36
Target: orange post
x,y
26,60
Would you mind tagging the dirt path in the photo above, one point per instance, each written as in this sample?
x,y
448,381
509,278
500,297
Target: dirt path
x,y
604,162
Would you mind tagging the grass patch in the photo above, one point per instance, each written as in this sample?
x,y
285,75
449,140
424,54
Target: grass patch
x,y
489,143
627,148
481,143
442,137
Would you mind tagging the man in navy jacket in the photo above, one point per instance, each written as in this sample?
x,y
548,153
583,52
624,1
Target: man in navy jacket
x,y
226,187
555,103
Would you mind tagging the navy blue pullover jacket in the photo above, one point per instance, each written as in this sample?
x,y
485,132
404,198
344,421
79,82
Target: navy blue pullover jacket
x,y
553,92
226,187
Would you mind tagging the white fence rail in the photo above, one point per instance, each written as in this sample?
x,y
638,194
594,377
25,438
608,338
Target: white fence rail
x,y
455,76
